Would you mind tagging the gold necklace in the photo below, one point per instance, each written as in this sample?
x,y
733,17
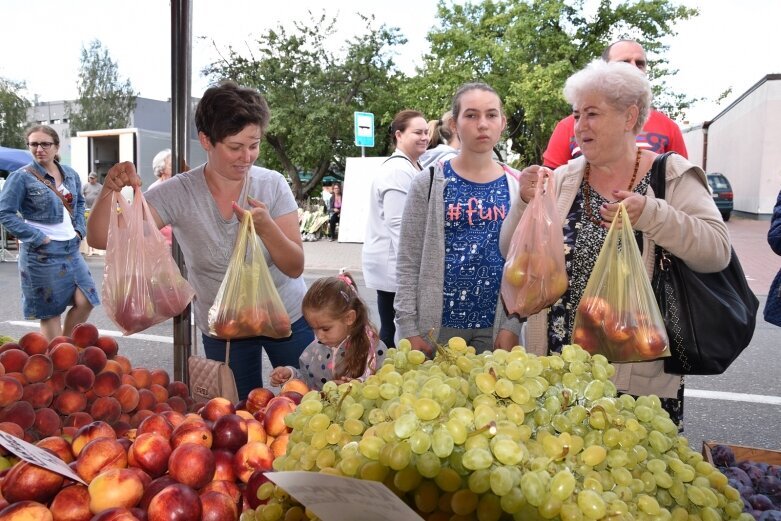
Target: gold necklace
x,y
587,189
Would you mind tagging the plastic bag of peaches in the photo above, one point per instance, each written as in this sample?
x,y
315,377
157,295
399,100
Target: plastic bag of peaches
x,y
247,303
618,316
142,285
534,275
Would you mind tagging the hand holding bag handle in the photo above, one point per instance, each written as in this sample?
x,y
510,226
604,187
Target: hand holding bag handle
x,y
709,317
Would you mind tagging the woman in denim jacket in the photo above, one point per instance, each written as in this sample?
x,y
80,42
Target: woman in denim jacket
x,y
53,273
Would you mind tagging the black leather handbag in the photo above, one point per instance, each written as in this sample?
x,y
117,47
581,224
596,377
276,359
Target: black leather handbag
x,y
710,317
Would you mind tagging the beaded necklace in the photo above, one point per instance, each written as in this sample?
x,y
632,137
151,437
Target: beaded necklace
x,y
587,190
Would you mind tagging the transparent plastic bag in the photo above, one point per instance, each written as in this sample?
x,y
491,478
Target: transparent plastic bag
x,y
534,275
142,285
618,315
247,303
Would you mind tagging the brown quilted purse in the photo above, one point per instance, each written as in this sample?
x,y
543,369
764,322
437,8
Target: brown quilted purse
x,y
211,378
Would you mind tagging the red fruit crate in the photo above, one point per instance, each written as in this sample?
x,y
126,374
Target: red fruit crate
x,y
742,453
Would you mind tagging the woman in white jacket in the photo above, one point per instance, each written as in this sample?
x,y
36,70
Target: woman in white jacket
x,y
388,195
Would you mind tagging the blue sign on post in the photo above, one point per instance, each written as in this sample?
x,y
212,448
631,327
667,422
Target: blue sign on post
x,y
364,129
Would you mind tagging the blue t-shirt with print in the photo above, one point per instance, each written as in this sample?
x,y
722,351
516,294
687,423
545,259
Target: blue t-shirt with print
x,y
474,213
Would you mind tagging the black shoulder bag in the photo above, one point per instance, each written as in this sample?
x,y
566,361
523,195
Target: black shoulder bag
x,y
709,317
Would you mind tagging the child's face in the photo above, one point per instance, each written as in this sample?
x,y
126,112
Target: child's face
x,y
329,330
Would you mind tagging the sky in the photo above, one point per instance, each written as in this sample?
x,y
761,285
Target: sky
x,y
730,44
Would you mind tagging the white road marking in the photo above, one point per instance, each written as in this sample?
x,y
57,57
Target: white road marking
x,y
104,332
732,397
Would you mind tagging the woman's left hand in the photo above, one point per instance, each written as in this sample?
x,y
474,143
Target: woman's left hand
x,y
633,202
260,216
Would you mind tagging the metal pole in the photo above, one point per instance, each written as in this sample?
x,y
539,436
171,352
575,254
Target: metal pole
x,y
181,67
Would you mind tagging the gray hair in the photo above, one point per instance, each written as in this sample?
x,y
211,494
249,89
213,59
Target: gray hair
x,y
621,84
158,163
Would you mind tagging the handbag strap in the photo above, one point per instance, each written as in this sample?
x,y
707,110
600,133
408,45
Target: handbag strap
x,y
227,351
659,175
48,183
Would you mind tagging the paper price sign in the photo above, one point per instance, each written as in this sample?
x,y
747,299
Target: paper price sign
x,y
336,498
37,456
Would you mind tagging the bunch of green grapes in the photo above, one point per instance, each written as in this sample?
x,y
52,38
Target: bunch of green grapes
x,y
499,436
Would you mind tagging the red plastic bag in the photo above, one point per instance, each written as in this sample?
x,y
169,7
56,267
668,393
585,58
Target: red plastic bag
x,y
142,285
247,303
618,315
534,275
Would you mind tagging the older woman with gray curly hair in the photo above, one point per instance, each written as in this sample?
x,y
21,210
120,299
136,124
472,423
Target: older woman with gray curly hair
x,y
161,166
610,102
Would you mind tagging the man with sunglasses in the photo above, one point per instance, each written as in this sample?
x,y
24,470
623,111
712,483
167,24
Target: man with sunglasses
x,y
660,134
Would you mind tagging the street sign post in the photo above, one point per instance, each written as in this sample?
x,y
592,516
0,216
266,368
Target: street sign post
x,y
364,130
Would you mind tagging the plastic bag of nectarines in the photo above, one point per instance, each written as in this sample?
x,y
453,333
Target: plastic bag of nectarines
x,y
247,303
534,275
142,285
618,315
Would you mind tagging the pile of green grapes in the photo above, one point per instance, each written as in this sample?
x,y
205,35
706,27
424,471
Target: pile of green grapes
x,y
502,436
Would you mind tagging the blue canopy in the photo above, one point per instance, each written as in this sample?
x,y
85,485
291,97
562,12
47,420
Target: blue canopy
x,y
12,158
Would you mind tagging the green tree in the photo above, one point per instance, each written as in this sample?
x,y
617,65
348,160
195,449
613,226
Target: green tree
x,y
526,49
13,113
105,101
313,91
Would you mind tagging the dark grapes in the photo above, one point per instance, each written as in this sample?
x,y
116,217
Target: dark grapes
x,y
722,456
770,515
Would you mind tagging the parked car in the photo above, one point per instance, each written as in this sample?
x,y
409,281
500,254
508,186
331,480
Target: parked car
x,y
722,194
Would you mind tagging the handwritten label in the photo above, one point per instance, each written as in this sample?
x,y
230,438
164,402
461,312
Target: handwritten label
x,y
37,456
336,498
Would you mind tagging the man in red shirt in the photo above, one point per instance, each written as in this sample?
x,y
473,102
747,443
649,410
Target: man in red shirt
x,y
660,133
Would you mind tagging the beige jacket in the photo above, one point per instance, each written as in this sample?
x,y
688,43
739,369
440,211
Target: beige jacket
x,y
686,223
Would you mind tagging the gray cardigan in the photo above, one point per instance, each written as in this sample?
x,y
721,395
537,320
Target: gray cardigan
x,y
420,273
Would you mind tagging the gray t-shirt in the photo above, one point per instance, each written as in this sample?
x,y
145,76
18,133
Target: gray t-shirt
x,y
207,240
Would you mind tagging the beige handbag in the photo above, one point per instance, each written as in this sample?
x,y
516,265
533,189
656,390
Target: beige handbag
x,y
210,378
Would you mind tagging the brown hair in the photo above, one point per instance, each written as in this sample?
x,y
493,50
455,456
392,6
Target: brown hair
x,y
466,87
339,295
401,121
439,131
46,129
225,109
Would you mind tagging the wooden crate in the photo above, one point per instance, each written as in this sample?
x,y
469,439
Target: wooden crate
x,y
742,453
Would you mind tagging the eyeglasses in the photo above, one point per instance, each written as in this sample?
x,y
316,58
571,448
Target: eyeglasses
x,y
46,145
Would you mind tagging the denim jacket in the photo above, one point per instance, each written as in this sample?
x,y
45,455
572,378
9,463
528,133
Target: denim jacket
x,y
25,194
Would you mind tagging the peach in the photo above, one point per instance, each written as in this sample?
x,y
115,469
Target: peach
x,y
161,407
113,366
64,356
177,403
192,465
251,490
229,488
117,514
71,504
150,452
59,340
229,432
106,408
293,395
58,446
139,416
84,335
279,445
160,392
13,360
12,429
106,383
175,502
255,431
26,511
90,432
128,397
47,422
177,388
258,398
156,424
123,428
174,418
192,431
218,507
37,368
146,400
69,401
217,407
108,345
113,488
160,377
143,377
38,394
124,362
223,465
11,390
20,413
274,419
153,488
129,380
28,482
94,358
34,343
80,378
251,457
57,382
99,456
296,385
77,419
244,413
19,377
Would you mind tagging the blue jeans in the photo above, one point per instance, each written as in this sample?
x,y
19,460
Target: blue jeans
x,y
246,356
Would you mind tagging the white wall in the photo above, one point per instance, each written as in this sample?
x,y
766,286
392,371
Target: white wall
x,y
358,176
694,138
